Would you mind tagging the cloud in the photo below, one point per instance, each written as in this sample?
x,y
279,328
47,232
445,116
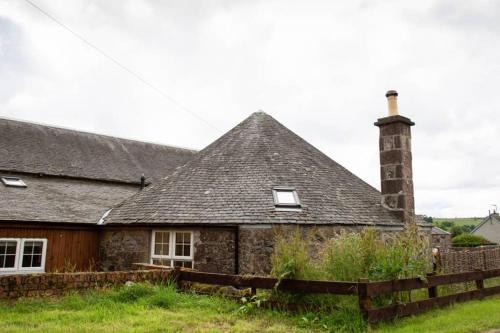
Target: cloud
x,y
319,67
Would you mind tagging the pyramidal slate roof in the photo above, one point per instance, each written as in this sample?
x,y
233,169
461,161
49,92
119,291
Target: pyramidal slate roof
x,y
40,149
231,182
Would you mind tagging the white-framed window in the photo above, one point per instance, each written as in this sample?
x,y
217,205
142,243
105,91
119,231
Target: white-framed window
x,y
173,248
286,197
13,181
22,255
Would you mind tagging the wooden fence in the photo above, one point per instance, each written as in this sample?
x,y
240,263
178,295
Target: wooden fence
x,y
364,289
371,289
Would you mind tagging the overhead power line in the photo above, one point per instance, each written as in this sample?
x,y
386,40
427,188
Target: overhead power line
x,y
122,66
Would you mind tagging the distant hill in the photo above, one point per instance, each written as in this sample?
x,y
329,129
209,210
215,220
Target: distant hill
x,y
460,221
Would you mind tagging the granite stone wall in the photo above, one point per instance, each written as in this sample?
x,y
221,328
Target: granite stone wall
x,y
214,248
119,248
256,242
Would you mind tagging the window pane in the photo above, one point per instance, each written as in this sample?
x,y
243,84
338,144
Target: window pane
x,y
10,261
37,260
285,197
2,260
162,262
11,248
187,249
162,243
158,248
37,247
179,263
28,247
3,247
26,260
178,250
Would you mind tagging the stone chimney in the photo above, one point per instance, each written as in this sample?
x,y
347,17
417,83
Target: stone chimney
x,y
396,173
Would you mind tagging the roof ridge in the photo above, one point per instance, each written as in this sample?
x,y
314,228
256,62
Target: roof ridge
x,y
58,127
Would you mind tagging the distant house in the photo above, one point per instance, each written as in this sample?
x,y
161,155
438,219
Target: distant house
x,y
440,238
73,197
489,228
56,184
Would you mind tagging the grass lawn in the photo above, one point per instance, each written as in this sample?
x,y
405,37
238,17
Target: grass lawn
x,y
143,308
473,316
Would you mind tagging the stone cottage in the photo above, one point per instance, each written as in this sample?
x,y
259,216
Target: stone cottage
x,y
219,211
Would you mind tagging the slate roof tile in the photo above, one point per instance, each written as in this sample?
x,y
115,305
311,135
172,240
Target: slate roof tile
x,y
33,148
231,181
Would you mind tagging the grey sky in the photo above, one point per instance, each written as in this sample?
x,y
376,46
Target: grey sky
x,y
319,67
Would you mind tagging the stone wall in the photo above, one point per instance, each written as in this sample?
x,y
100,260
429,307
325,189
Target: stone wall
x,y
256,245
256,242
214,248
119,248
441,240
467,260
55,284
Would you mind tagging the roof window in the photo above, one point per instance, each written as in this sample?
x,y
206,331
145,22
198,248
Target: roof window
x,y
13,182
286,197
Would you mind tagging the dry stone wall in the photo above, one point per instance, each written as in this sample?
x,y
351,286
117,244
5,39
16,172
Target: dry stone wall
x,y
55,284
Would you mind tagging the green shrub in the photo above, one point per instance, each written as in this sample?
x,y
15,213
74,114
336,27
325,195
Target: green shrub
x,y
469,240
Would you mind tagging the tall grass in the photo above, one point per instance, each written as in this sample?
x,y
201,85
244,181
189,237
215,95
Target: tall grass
x,y
350,256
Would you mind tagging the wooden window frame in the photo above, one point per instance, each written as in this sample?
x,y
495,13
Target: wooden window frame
x,y
171,257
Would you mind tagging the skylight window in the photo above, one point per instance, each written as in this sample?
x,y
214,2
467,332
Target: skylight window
x,y
13,181
286,197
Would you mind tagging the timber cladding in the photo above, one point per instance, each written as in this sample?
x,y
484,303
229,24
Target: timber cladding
x,y
68,248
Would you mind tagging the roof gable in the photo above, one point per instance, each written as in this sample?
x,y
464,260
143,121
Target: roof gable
x,y
231,181
39,149
494,217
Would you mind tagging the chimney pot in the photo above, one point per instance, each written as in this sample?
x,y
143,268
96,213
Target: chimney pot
x,y
392,102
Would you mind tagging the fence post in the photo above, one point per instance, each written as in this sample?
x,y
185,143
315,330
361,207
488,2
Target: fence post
x,y
433,292
480,283
364,299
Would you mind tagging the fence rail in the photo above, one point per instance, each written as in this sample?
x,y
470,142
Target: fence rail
x,y
364,289
260,282
431,283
